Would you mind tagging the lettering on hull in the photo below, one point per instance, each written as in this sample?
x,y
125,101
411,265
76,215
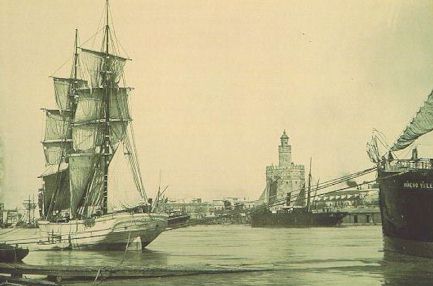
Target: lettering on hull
x,y
413,185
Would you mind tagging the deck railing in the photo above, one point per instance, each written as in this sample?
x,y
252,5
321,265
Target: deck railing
x,y
409,164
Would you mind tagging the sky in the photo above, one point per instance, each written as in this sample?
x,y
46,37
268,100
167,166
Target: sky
x,y
217,82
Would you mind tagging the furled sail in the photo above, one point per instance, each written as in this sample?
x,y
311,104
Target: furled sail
x,y
57,126
420,125
61,199
300,199
272,186
89,116
55,152
86,164
86,137
56,193
57,139
100,65
94,195
63,91
81,171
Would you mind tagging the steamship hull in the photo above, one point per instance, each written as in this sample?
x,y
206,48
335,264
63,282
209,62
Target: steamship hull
x,y
107,232
406,205
301,218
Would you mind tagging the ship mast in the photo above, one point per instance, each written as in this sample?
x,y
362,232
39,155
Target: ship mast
x,y
106,142
309,188
73,101
74,84
73,106
75,55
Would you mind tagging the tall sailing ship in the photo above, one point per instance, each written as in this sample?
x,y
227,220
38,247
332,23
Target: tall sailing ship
x,y
406,190
82,136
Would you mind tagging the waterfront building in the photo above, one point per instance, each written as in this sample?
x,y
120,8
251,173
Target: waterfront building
x,y
289,177
198,209
360,202
10,217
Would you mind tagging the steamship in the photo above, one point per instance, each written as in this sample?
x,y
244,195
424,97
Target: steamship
x,y
406,190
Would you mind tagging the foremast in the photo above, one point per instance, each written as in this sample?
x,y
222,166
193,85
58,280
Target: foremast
x,y
57,141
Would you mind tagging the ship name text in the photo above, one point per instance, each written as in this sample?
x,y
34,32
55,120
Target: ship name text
x,y
410,185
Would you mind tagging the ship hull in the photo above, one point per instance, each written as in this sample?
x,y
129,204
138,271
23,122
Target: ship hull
x,y
176,221
107,232
12,254
406,205
297,219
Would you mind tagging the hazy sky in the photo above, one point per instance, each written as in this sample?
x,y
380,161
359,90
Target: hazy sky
x,y
216,82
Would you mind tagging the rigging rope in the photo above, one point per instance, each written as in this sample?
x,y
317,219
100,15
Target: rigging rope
x,y
115,36
328,184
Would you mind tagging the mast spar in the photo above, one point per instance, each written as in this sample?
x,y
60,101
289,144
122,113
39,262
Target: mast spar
x,y
74,84
107,87
76,55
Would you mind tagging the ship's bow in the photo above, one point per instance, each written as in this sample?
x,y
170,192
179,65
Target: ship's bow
x,y
406,205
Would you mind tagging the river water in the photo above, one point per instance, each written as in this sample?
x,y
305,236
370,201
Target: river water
x,y
284,256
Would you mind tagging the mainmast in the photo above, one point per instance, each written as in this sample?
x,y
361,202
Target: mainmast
x,y
107,87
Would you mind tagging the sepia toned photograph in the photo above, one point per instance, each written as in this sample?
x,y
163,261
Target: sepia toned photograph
x,y
216,142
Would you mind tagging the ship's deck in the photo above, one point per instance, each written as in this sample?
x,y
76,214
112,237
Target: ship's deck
x,y
403,165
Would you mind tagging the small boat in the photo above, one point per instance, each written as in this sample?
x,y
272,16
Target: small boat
x,y
177,219
12,254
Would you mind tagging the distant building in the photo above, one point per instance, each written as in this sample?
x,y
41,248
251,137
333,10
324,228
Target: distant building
x,y
199,209
9,217
361,204
289,178
196,208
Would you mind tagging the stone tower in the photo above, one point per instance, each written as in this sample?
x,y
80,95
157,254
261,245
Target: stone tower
x,y
284,151
289,176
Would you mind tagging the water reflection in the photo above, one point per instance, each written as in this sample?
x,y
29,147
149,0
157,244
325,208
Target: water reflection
x,y
399,269
314,256
98,258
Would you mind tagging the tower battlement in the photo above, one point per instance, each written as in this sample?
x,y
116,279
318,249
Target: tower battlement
x,y
290,176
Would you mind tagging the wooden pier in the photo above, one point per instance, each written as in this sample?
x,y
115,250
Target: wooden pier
x,y
58,273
